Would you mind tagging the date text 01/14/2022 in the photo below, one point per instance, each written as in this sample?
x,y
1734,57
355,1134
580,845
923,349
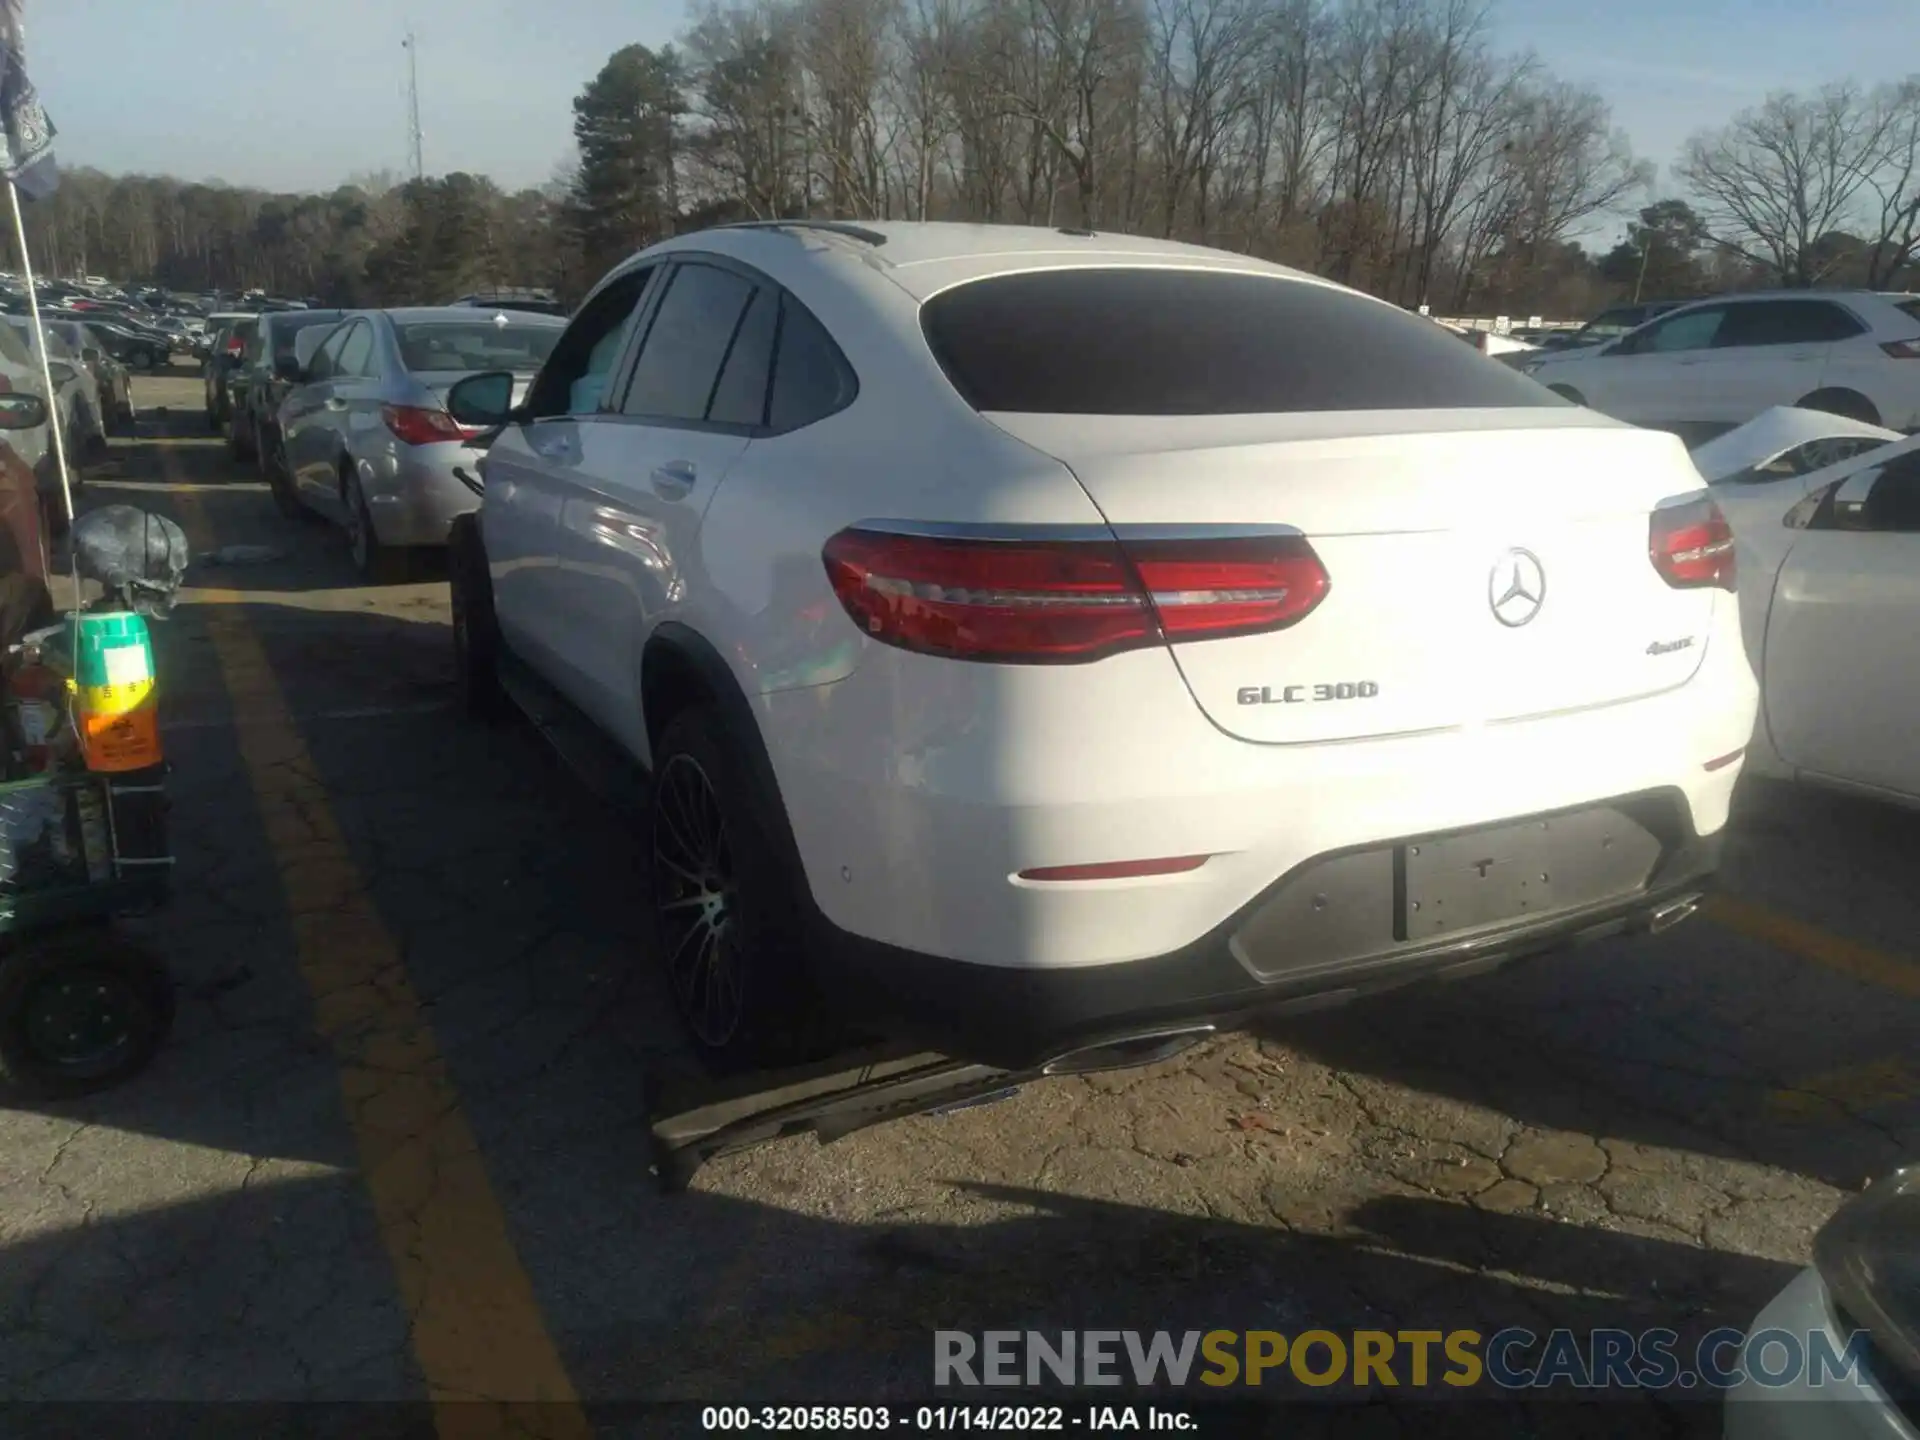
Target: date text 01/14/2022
x,y
925,1419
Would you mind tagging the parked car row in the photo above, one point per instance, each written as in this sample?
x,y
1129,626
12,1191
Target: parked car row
x,y
1703,368
344,414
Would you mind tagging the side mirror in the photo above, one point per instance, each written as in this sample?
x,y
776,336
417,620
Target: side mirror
x,y
21,411
482,401
285,367
60,370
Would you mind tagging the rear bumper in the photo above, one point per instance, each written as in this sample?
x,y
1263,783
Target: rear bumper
x,y
417,498
1270,955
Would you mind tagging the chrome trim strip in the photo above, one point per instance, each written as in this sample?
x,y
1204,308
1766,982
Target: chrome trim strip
x,y
989,530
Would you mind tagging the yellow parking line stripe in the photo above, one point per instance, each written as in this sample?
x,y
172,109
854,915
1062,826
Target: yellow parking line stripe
x,y
1876,1085
476,1329
1809,942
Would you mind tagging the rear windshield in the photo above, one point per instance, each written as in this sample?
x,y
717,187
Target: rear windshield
x,y
285,327
476,345
1195,342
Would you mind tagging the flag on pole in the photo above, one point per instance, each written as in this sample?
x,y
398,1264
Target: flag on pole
x,y
28,159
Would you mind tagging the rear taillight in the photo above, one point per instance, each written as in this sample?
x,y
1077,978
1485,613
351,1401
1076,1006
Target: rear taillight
x,y
1903,349
235,346
416,425
1691,545
1034,600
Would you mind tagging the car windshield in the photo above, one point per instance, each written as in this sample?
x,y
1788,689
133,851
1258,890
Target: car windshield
x,y
492,344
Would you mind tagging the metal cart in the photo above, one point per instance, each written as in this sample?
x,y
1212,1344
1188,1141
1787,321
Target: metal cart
x,y
82,1006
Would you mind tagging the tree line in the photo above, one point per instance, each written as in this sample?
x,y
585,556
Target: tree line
x,y
1388,144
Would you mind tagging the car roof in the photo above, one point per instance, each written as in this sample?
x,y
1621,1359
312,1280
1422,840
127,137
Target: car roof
x,y
924,257
269,316
463,314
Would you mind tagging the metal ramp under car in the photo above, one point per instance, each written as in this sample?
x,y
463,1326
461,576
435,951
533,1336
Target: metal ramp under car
x,y
694,1121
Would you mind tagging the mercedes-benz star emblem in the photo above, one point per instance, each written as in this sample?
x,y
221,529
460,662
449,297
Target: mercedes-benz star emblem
x,y
1517,588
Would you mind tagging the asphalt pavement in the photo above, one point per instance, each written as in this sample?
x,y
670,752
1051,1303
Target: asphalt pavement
x,y
396,1149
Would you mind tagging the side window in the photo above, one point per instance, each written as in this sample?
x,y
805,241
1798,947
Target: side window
x,y
741,396
574,379
356,352
687,341
1694,330
1785,322
1894,503
326,360
253,344
811,379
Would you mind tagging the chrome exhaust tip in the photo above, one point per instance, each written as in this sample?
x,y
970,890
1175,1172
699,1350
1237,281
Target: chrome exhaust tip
x,y
1149,1048
1669,916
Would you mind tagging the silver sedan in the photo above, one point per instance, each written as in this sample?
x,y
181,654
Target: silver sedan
x,y
369,443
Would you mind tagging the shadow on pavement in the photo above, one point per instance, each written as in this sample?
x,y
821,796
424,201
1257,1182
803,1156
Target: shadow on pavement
x,y
272,1294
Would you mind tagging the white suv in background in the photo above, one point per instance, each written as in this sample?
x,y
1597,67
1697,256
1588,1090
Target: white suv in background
x,y
1704,368
1061,644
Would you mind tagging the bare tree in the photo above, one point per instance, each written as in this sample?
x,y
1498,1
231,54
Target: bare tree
x,y
1892,189
1781,177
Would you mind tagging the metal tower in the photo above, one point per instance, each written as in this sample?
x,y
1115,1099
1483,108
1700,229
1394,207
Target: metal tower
x,y
413,107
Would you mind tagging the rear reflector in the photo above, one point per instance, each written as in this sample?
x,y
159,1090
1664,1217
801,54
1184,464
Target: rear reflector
x,y
1725,760
1118,869
1045,601
1691,545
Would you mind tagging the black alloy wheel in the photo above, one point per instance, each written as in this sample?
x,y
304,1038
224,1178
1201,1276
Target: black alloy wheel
x,y
695,893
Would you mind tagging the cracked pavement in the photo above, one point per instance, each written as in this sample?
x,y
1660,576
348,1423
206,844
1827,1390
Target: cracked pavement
x,y
390,924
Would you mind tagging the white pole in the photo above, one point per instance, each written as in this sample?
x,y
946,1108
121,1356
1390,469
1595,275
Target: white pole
x,y
46,368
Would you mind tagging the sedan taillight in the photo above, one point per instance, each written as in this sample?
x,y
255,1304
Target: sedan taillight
x,y
1691,545
417,425
1035,600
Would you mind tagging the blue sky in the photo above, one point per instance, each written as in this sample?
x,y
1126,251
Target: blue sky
x,y
300,94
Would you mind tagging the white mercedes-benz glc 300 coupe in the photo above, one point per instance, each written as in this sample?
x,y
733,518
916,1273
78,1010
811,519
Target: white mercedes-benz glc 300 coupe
x,y
1059,644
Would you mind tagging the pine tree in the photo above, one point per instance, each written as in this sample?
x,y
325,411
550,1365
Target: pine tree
x,y
627,124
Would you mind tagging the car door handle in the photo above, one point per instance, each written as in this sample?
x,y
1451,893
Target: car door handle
x,y
674,479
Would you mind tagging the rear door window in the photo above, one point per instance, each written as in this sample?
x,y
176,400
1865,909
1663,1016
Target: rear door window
x,y
692,329
355,356
1138,341
1785,322
741,396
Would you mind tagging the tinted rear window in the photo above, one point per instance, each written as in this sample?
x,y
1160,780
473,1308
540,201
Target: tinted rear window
x,y
475,345
285,328
1185,342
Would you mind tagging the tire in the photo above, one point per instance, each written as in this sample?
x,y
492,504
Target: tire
x,y
80,1011
476,633
1849,404
378,564
140,360
1567,392
240,442
727,920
